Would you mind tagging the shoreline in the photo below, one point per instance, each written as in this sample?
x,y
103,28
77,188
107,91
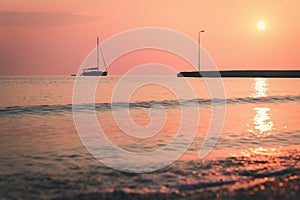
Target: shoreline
x,y
243,73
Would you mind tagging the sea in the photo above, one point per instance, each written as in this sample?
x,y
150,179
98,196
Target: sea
x,y
165,138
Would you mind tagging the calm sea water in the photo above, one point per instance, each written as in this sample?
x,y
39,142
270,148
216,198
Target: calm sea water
x,y
43,157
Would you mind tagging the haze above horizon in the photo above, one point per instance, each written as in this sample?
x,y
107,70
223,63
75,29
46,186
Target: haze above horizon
x,y
53,37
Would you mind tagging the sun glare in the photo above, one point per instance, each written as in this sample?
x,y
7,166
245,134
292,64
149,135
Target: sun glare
x,y
261,25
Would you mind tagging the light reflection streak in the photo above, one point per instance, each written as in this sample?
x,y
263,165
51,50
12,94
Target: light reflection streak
x,y
261,87
262,124
264,151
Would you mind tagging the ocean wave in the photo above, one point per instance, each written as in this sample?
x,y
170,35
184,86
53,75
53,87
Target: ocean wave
x,y
87,107
194,177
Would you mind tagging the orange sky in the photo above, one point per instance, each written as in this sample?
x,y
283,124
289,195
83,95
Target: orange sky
x,y
52,37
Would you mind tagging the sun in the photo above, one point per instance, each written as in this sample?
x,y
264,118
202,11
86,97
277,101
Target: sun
x,y
261,25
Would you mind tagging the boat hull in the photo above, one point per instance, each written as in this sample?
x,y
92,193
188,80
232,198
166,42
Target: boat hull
x,y
94,73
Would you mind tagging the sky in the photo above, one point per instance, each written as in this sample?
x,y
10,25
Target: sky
x,y
53,37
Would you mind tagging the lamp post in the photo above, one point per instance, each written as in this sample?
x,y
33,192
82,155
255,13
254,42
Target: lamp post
x,y
199,52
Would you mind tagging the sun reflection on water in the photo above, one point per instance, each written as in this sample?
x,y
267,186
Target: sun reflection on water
x,y
265,151
262,122
261,125
261,151
261,87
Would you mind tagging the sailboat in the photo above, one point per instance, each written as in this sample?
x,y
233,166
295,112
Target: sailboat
x,y
94,71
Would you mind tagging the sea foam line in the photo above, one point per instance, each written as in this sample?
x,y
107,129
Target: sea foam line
x,y
87,107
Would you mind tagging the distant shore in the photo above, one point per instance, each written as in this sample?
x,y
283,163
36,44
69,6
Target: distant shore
x,y
243,73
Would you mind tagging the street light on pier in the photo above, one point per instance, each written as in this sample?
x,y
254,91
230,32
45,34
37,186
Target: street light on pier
x,y
199,50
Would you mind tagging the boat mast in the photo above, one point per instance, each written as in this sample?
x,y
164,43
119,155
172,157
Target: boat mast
x,y
99,48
